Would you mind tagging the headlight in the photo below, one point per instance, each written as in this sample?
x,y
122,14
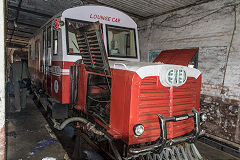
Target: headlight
x,y
203,117
138,129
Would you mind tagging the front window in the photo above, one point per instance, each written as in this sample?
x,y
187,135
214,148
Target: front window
x,y
72,44
121,42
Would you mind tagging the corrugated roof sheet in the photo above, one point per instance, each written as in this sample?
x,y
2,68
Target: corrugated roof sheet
x,y
34,13
149,8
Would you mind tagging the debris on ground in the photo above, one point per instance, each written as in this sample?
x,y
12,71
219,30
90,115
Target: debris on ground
x,y
42,144
66,157
92,155
11,134
49,158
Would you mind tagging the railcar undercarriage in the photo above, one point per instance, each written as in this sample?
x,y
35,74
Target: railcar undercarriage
x,y
181,148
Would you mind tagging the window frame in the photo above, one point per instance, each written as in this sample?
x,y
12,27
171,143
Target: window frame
x,y
38,52
53,42
37,49
44,48
30,52
67,37
49,55
49,46
135,57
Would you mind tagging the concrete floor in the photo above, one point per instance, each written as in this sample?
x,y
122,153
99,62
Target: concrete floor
x,y
210,153
29,137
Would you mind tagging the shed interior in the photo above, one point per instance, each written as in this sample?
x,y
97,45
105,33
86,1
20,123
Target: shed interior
x,y
212,26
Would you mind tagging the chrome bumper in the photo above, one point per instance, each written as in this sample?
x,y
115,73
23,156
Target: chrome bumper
x,y
163,142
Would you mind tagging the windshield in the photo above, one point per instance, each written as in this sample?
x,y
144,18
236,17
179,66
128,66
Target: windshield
x,y
121,42
72,25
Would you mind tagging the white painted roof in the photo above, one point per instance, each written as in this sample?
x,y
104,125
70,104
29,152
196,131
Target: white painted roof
x,y
90,12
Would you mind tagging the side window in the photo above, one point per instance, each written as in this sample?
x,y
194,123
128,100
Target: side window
x,y
49,37
37,49
37,52
49,46
55,42
44,49
30,51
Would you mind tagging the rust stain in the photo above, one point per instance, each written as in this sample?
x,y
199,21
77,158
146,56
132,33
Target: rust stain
x,y
2,143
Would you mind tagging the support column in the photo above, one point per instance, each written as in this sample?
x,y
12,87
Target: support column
x,y
2,80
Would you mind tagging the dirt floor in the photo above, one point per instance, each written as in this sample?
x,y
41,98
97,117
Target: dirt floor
x,y
30,137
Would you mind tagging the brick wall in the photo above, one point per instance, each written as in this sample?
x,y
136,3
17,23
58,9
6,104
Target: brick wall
x,y
214,28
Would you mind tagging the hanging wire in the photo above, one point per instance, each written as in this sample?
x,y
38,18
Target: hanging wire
x,y
230,46
160,24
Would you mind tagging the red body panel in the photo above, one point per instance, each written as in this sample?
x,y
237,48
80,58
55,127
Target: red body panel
x,y
121,94
63,82
46,81
168,101
178,56
82,88
137,101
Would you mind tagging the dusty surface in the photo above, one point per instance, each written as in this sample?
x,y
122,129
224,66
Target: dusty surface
x,y
26,133
223,118
213,28
210,153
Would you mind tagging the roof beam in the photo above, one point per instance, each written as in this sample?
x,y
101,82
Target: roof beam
x,y
30,11
27,24
20,36
129,13
15,45
17,30
18,42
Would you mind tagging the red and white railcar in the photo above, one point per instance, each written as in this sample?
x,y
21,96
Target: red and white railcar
x,y
95,72
54,49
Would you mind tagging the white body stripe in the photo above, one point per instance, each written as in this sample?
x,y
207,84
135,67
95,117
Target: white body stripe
x,y
58,71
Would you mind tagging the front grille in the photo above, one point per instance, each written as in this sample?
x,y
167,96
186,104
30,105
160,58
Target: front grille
x,y
155,98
